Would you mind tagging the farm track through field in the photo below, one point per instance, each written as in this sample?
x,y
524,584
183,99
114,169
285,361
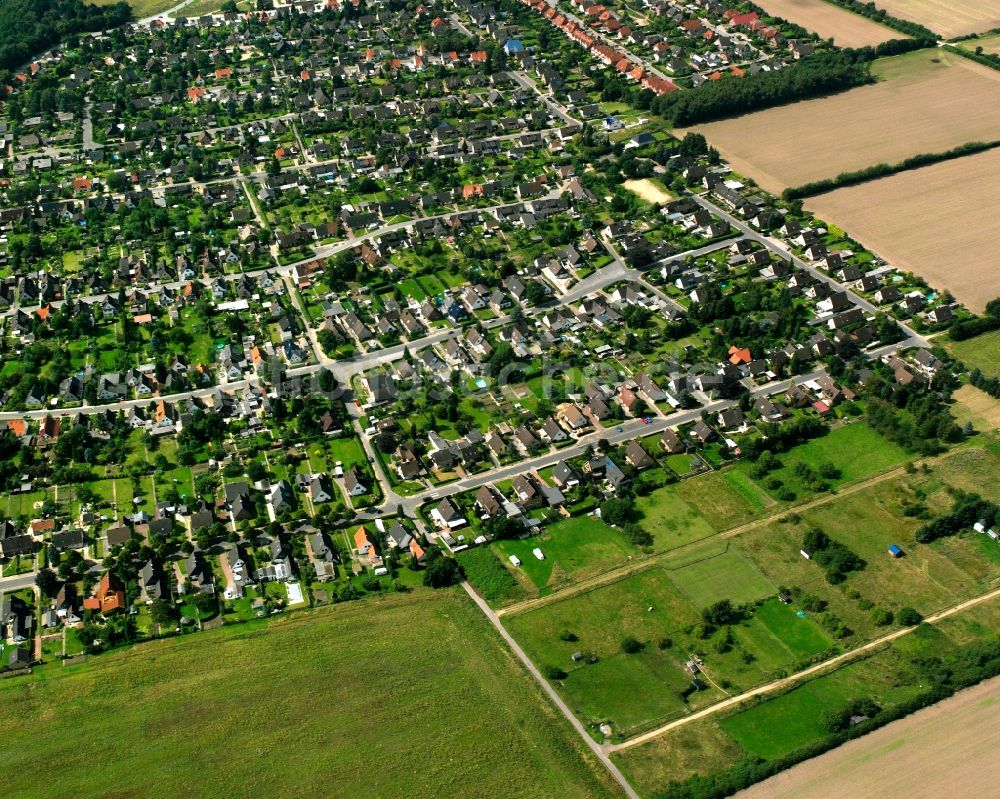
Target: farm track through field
x,y
653,561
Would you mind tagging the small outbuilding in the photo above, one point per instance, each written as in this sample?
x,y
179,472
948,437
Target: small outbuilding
x,y
894,551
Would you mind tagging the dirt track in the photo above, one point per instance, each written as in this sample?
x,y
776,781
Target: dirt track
x,y
947,750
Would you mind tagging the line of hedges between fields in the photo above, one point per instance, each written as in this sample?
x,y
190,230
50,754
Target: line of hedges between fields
x,y
870,173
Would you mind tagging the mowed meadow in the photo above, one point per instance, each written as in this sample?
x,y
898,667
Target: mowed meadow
x,y
926,101
831,22
408,696
939,222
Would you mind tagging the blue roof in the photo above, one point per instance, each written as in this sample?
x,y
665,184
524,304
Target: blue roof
x,y
513,46
894,549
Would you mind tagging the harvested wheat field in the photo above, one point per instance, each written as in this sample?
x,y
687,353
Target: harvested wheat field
x,y
927,101
831,22
648,191
948,749
948,18
939,222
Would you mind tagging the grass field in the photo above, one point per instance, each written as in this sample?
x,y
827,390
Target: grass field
x,y
831,22
572,548
320,703
936,222
856,450
948,18
927,101
726,576
976,406
981,352
701,506
990,44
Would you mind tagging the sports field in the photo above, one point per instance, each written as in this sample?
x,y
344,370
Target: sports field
x,y
648,190
947,749
947,17
927,101
413,695
938,222
831,22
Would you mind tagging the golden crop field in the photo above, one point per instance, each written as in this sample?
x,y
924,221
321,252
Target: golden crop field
x,y
947,17
938,222
831,22
927,101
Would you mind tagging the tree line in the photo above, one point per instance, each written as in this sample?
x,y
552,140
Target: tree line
x,y
882,170
962,329
814,75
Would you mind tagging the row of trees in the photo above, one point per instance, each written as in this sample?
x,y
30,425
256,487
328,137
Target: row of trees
x,y
965,512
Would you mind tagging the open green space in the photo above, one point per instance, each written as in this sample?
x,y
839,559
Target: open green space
x,y
725,576
335,718
981,352
571,547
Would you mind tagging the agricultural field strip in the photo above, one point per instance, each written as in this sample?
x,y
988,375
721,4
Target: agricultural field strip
x,y
949,18
792,679
656,560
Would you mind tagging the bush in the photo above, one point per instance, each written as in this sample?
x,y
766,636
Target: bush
x,y
908,617
630,645
554,673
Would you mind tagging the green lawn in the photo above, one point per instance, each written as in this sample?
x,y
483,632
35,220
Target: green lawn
x,y
701,506
572,547
348,451
318,702
778,638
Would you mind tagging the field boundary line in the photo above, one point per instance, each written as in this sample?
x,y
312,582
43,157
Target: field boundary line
x,y
794,679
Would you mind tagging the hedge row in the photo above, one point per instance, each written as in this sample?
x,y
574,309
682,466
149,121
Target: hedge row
x,y
867,174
